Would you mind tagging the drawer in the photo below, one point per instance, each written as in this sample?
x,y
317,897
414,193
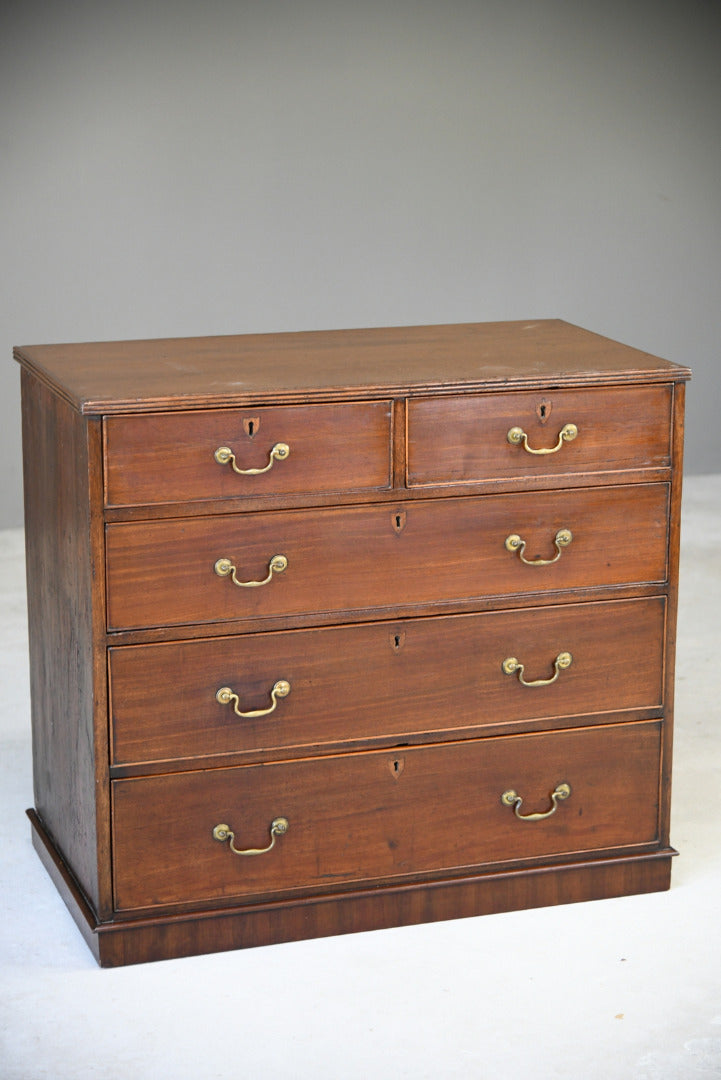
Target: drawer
x,y
464,438
398,679
163,573
382,816
171,457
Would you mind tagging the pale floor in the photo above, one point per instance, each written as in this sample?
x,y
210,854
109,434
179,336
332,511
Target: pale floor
x,y
617,989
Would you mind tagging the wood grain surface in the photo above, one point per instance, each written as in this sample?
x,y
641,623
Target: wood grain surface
x,y
376,558
463,438
384,815
102,378
392,681
169,458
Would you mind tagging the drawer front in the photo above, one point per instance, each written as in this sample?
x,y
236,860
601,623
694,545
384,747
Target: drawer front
x,y
162,573
379,816
462,439
170,457
397,679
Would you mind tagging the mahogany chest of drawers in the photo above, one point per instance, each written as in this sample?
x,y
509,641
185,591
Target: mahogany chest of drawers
x,y
345,630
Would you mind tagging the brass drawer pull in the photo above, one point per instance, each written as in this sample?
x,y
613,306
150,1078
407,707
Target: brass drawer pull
x,y
510,798
225,696
225,456
561,540
225,568
278,827
511,666
517,435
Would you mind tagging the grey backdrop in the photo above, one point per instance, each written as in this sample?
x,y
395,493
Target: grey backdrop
x,y
218,167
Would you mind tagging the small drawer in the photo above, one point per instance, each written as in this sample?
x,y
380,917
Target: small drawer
x,y
426,552
477,437
306,689
182,457
382,816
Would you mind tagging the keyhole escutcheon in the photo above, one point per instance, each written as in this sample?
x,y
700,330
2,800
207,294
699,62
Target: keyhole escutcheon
x,y
396,767
543,410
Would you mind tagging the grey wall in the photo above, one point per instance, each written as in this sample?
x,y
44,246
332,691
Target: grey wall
x,y
217,167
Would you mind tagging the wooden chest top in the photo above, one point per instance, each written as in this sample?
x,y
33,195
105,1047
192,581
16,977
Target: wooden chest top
x,y
174,373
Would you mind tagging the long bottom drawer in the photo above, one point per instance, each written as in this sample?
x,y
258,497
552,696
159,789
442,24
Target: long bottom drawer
x,y
383,816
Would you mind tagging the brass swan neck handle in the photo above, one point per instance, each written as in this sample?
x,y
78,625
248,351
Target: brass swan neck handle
x,y
512,666
226,696
278,827
517,436
512,798
225,568
515,543
225,456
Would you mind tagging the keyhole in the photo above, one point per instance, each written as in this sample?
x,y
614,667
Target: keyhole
x,y
543,410
397,641
395,768
251,427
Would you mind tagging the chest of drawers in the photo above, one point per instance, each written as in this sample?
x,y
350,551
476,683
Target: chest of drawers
x,y
346,630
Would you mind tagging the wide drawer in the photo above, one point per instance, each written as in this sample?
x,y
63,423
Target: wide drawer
x,y
383,816
465,438
395,680
171,457
169,573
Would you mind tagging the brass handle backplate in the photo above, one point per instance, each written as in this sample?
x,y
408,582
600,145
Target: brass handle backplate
x,y
511,666
278,827
517,436
225,456
562,539
511,798
225,696
225,568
